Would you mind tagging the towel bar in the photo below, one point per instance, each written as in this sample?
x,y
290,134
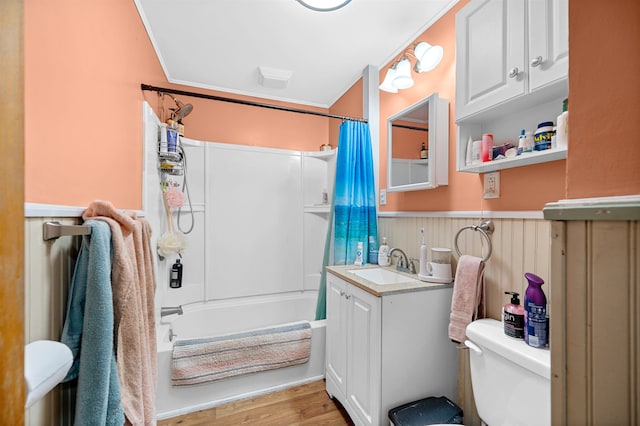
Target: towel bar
x,y
486,228
53,230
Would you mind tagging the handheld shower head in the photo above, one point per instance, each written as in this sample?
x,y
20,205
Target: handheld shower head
x,y
182,111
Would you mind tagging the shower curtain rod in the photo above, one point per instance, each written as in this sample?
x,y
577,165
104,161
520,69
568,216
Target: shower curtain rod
x,y
249,103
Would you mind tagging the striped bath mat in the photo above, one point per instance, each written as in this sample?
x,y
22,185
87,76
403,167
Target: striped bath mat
x,y
213,358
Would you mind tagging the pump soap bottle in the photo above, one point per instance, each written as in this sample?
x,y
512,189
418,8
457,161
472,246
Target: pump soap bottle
x,y
383,253
513,316
535,313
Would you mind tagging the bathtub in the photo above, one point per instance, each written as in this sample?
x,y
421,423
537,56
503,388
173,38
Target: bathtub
x,y
216,318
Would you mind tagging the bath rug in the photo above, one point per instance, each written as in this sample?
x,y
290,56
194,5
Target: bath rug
x,y
214,358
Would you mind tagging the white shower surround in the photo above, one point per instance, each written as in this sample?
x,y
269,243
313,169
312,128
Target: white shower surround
x,y
254,255
252,234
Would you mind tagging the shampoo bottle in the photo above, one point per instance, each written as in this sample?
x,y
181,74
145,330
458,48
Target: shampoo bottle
x,y
423,256
175,277
383,253
535,312
513,316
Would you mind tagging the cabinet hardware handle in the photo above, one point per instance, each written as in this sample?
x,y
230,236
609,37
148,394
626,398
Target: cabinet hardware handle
x,y
347,296
514,72
536,61
342,293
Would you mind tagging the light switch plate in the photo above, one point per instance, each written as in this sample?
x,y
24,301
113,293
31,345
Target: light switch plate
x,y
383,197
491,185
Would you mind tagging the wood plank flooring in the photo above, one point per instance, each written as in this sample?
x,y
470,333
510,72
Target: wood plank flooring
x,y
303,405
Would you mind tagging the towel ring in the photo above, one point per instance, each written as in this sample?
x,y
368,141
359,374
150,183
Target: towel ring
x,y
486,228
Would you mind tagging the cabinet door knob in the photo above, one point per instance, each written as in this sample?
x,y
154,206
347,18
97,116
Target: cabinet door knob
x,y
514,72
536,61
342,293
347,296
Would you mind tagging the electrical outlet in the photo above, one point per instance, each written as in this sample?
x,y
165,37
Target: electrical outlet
x,y
492,185
383,197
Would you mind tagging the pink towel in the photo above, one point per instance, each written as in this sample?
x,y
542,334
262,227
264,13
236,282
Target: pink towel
x,y
467,303
133,285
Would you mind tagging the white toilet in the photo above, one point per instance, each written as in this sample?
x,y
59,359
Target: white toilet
x,y
510,379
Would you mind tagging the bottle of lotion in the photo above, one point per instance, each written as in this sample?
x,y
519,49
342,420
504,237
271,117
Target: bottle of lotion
x,y
383,253
358,260
535,312
513,316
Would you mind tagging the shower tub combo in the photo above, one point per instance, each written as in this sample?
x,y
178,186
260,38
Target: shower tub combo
x,y
219,318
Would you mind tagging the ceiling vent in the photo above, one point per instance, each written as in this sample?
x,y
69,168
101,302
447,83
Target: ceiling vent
x,y
274,78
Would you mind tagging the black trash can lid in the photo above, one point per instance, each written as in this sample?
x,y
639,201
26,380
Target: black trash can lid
x,y
427,411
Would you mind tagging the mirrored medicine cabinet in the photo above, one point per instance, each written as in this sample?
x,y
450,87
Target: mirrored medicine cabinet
x,y
425,122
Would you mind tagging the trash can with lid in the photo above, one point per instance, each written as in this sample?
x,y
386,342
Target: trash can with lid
x,y
427,411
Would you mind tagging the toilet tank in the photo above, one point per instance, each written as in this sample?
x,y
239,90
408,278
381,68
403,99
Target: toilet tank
x,y
510,379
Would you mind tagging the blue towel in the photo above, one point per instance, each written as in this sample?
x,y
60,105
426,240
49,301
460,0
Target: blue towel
x,y
88,331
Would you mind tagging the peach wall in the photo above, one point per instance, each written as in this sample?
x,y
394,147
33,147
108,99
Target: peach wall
x,y
410,141
83,71
604,98
84,63
350,105
218,121
527,188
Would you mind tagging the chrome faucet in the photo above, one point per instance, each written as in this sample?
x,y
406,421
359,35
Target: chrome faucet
x,y
404,263
170,310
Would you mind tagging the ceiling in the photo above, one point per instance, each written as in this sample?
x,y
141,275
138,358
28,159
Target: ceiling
x,y
220,44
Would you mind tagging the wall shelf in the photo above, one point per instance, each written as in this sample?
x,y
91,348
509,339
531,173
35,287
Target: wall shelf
x,y
317,208
527,159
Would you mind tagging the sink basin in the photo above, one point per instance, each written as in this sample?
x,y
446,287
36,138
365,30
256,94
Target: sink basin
x,y
381,276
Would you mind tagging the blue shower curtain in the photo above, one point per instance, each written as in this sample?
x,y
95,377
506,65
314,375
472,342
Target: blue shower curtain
x,y
354,204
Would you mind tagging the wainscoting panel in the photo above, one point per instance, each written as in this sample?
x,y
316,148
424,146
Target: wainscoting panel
x,y
595,362
48,271
519,246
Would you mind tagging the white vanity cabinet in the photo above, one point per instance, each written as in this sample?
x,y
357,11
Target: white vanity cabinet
x,y
386,350
511,74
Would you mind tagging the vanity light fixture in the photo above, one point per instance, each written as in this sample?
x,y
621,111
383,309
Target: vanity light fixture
x,y
324,5
399,74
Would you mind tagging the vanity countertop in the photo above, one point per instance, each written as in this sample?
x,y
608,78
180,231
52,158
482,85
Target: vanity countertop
x,y
412,283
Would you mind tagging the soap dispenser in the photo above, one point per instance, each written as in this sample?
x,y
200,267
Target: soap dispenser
x,y
383,253
513,317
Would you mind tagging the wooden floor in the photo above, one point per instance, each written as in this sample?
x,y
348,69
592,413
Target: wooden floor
x,y
304,405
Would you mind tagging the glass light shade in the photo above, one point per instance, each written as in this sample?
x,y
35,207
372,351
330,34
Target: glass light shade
x,y
428,56
323,5
402,79
387,84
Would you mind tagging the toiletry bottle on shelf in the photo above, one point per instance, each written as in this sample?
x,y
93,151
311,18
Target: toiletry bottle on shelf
x,y
423,152
535,312
513,316
423,256
521,142
487,147
358,260
383,253
562,127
